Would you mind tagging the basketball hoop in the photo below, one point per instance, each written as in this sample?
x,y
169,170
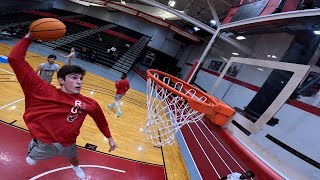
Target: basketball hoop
x,y
173,103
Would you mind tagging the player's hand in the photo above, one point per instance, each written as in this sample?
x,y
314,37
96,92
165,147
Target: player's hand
x,y
112,144
29,36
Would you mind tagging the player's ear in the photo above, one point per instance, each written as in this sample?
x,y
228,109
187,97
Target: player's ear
x,y
61,81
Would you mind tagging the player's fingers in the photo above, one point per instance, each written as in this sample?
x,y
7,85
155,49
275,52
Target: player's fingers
x,y
113,148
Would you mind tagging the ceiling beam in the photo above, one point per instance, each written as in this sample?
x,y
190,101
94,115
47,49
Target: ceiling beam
x,y
199,24
214,13
183,16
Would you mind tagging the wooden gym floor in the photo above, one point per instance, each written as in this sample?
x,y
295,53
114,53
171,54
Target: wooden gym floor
x,y
127,130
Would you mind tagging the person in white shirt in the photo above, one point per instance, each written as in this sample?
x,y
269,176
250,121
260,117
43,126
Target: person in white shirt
x,y
46,70
69,57
112,49
237,176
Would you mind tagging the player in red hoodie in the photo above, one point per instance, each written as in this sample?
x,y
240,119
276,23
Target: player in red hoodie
x,y
54,116
122,87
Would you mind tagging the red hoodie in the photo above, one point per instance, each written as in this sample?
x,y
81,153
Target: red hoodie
x,y
51,114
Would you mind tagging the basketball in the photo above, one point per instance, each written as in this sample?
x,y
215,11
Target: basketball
x,y
47,29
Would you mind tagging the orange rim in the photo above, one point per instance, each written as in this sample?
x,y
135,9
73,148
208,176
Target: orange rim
x,y
207,107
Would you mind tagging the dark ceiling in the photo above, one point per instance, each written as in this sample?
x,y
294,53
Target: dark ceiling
x,y
197,9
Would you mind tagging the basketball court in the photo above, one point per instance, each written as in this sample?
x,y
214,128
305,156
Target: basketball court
x,y
175,131
95,164
134,155
136,158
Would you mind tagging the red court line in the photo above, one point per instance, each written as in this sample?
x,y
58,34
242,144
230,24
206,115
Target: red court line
x,y
213,156
230,158
253,163
202,163
13,150
234,163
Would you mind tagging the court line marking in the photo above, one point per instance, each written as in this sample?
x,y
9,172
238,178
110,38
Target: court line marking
x,y
11,103
215,150
7,71
223,146
69,167
189,153
204,152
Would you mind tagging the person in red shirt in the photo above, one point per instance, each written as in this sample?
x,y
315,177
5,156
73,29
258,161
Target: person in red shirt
x,y
122,87
54,116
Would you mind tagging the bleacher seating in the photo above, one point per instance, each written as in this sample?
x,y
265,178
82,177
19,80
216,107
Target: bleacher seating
x,y
92,43
73,28
128,32
93,20
60,12
17,17
95,37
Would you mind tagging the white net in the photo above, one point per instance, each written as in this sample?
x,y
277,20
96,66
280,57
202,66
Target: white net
x,y
168,112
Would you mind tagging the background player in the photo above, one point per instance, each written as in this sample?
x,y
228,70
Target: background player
x,y
122,87
46,70
69,57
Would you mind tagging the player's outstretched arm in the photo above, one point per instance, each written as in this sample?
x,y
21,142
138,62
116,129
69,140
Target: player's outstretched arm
x,y
25,74
18,52
102,124
66,56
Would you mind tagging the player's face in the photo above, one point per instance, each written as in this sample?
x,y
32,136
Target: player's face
x,y
72,83
51,60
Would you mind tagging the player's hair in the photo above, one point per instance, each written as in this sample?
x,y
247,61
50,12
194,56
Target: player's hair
x,y
52,56
70,69
124,75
